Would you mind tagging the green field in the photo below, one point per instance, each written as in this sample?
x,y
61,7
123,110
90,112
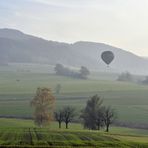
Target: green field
x,y
130,100
23,133
18,84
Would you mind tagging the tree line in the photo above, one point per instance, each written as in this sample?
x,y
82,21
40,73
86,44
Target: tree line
x,y
128,77
65,71
94,116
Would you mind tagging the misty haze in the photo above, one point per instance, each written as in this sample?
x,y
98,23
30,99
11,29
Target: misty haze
x,y
73,73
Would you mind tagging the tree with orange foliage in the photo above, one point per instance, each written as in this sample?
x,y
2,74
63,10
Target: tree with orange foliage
x,y
43,102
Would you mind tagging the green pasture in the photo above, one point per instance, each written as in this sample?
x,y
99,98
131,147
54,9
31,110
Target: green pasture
x,y
23,133
18,85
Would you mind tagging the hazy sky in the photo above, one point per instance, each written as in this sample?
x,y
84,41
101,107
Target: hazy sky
x,y
122,23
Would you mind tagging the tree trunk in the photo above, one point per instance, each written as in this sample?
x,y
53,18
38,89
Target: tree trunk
x,y
66,125
107,128
59,124
98,126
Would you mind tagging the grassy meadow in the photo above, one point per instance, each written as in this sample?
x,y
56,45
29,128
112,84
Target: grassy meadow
x,y
18,85
23,133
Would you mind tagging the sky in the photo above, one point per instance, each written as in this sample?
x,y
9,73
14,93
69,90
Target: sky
x,y
121,23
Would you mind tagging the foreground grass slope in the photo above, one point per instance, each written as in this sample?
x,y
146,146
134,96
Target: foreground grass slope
x,y
23,133
47,138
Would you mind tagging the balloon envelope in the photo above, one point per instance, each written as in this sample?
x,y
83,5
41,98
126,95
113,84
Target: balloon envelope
x,y
107,57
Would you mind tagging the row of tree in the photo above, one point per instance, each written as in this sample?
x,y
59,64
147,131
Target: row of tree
x,y
125,76
128,77
65,71
93,116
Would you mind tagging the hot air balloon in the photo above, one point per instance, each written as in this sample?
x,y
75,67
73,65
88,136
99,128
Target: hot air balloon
x,y
107,57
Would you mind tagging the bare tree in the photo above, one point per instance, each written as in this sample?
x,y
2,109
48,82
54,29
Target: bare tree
x,y
109,117
59,117
43,103
68,115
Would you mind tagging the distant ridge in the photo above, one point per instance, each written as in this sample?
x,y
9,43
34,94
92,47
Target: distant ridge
x,y
15,46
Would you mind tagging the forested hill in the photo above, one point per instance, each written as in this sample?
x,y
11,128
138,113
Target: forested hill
x,y
16,46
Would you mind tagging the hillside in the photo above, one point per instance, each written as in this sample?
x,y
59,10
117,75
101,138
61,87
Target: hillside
x,y
129,99
16,46
23,133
